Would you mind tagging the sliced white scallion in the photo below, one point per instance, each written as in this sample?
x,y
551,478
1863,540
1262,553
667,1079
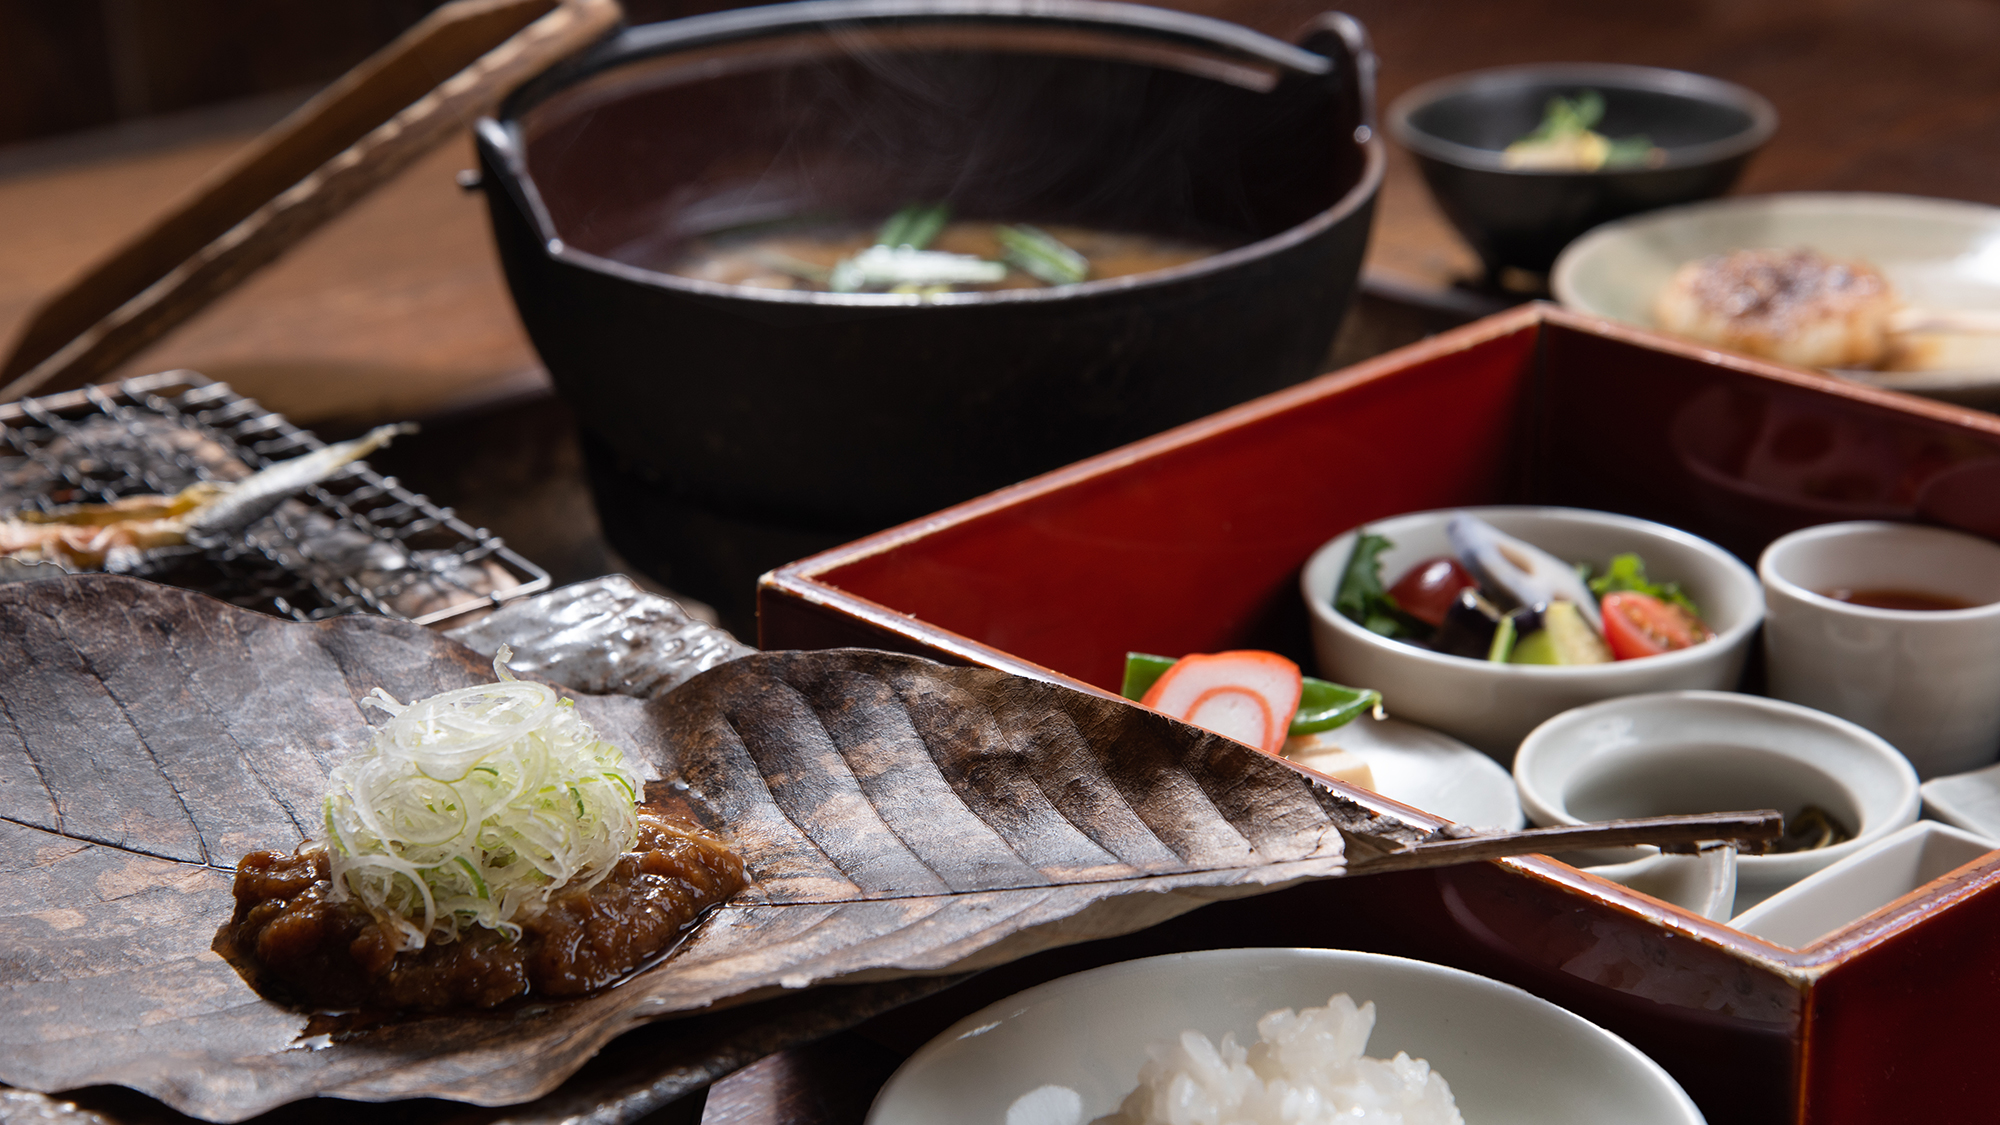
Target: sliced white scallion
x,y
471,807
880,267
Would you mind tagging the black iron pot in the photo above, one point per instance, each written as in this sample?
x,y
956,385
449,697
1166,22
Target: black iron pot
x,y
836,414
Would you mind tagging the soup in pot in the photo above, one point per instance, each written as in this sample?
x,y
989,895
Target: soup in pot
x,y
957,256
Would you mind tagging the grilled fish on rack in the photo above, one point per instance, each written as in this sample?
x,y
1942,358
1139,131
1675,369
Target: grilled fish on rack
x,y
115,536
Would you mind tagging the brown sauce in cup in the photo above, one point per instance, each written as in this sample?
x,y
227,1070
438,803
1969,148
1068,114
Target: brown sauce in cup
x,y
1898,599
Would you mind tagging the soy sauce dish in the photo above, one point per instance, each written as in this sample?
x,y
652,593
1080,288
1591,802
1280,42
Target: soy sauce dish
x,y
1494,704
1699,751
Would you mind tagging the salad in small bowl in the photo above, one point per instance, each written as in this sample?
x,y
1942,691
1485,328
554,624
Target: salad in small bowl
x,y
1483,622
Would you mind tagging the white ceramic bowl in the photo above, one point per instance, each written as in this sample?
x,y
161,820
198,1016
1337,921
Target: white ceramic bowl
x,y
1510,1057
1938,254
1712,751
1844,893
1494,706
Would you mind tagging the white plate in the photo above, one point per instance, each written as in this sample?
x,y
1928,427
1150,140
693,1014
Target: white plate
x,y
1433,771
1510,1057
1938,253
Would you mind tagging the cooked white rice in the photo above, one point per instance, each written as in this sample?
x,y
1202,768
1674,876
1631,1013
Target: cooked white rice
x,y
1306,1069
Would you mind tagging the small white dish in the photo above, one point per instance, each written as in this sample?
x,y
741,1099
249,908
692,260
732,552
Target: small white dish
x,y
1966,800
1510,1057
1493,706
1433,771
1939,254
1711,751
1861,884
1703,884
1926,680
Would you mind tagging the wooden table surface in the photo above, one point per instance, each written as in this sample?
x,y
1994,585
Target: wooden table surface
x,y
398,309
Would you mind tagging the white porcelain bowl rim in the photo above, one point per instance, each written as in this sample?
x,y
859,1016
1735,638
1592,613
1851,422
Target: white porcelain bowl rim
x,y
1767,570
1541,809
1322,607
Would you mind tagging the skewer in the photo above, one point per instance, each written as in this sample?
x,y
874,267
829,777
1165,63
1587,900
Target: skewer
x,y
1670,833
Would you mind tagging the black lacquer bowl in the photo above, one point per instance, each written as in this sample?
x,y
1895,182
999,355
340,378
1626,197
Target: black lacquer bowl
x,y
1458,128
729,427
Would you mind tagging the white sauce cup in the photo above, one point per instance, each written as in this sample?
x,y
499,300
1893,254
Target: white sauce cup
x,y
1928,681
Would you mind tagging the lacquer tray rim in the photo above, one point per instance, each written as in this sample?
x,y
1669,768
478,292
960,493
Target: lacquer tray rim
x,y
808,581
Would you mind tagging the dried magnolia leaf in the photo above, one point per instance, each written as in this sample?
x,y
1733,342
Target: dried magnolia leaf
x,y
898,817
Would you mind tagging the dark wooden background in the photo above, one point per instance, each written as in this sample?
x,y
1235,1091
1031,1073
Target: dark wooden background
x,y
1877,95
110,107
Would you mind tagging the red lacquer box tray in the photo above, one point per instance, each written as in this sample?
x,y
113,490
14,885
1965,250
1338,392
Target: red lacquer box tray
x,y
1192,541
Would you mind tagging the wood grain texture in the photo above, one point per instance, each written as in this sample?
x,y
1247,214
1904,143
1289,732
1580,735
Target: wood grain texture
x,y
398,308
441,44
899,818
266,233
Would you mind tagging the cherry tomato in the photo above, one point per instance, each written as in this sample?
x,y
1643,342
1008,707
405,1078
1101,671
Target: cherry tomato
x,y
1426,590
1638,625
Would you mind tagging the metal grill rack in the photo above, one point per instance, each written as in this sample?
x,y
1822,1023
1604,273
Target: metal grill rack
x,y
357,542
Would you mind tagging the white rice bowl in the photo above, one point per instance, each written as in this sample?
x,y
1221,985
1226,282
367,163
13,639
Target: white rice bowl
x,y
1070,1052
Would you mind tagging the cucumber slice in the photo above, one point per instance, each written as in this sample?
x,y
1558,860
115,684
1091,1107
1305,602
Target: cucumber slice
x,y
1565,638
1538,647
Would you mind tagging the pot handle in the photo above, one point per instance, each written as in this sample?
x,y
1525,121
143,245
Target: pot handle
x,y
1131,21
1337,36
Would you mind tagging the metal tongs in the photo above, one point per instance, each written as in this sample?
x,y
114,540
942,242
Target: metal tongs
x,y
357,134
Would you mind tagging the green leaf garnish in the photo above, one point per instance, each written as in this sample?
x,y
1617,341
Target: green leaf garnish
x,y
1040,254
1627,572
1567,117
1361,598
915,226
